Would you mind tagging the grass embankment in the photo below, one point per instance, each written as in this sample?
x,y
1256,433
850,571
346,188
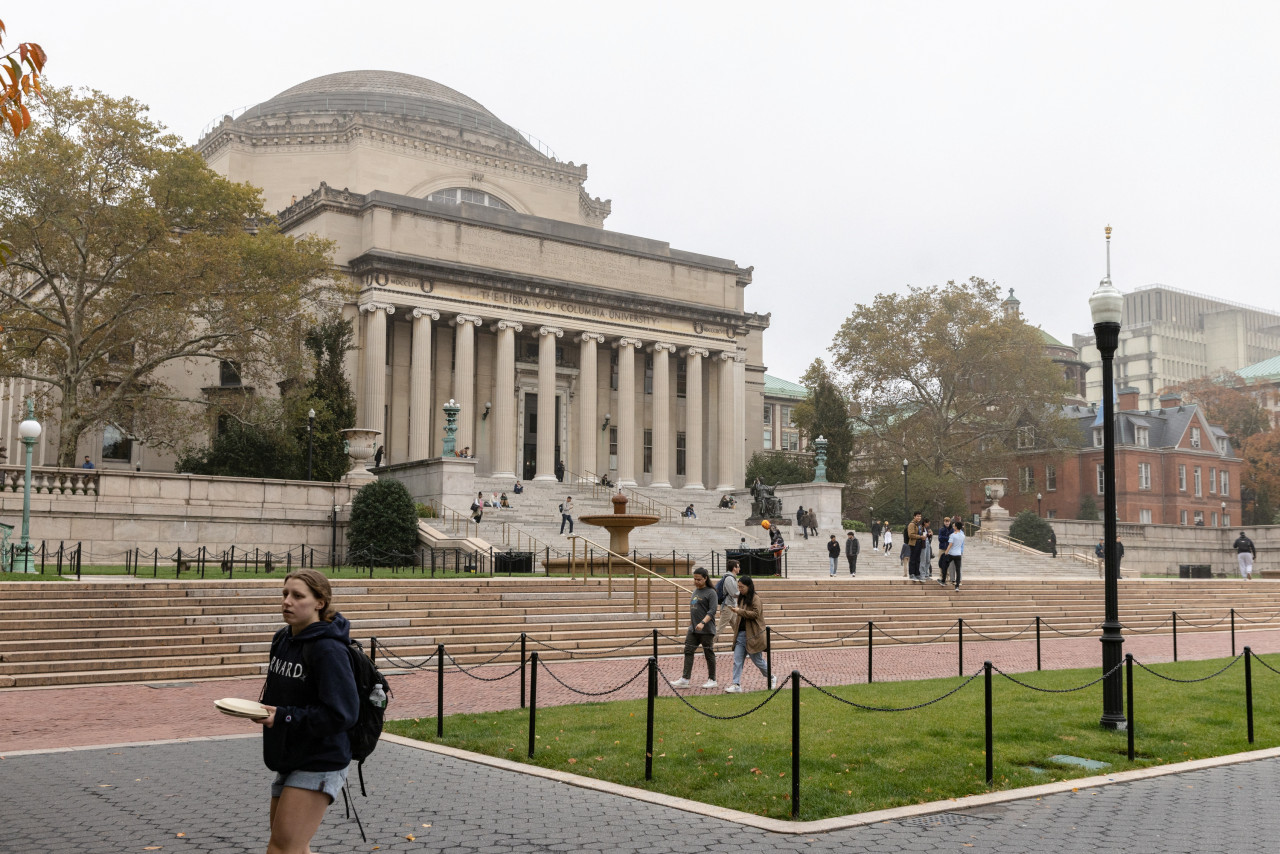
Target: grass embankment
x,y
853,761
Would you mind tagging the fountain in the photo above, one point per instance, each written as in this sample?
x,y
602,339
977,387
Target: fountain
x,y
620,524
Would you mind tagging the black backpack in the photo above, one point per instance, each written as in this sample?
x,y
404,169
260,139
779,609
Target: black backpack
x,y
720,594
364,734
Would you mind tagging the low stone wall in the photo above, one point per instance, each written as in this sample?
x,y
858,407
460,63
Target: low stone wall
x,y
145,510
1161,549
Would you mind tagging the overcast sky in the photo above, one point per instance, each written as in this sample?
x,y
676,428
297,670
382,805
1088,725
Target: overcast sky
x,y
842,149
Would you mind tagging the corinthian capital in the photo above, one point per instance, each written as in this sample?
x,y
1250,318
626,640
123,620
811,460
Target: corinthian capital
x,y
464,319
426,312
551,330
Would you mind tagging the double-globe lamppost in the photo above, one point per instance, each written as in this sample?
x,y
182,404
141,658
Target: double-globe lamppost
x,y
29,431
1106,305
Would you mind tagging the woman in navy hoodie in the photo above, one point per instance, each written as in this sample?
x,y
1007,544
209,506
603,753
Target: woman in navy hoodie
x,y
311,695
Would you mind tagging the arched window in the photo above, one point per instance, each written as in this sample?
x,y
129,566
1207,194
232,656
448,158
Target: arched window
x,y
458,195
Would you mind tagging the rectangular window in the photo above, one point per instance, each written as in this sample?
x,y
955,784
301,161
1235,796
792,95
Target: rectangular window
x,y
228,374
1182,517
613,370
1225,488
1051,478
680,448
648,451
613,448
1142,437
1026,437
1196,480
1026,479
1213,481
790,440
1052,514
768,439
1226,520
1182,479
115,444
768,414
1144,516
1097,437
682,378
1199,517
1144,475
648,373
784,413
1195,437
1215,518
1102,480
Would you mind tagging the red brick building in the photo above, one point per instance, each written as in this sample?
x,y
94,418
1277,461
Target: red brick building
x,y
1172,468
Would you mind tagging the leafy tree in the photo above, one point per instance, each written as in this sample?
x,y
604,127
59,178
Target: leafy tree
x,y
245,449
384,524
774,467
942,377
132,256
1227,404
329,394
1088,510
1261,476
825,413
1030,529
20,85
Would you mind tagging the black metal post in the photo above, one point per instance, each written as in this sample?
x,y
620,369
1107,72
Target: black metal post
x,y
177,571
522,667
1248,689
655,643
533,700
440,690
1037,643
991,766
333,538
1107,338
871,627
768,652
1175,635
795,743
1233,632
960,643
373,650
648,727
311,428
1128,683
906,503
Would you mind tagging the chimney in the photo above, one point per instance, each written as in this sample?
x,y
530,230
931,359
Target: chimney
x,y
1170,400
1127,399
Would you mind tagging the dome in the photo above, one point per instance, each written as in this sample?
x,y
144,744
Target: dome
x,y
386,93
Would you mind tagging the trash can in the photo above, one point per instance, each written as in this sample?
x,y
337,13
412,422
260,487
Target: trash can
x,y
755,562
512,561
1195,570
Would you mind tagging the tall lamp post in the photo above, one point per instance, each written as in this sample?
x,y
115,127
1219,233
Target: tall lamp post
x,y
906,502
311,429
1039,500
1222,520
29,432
1106,305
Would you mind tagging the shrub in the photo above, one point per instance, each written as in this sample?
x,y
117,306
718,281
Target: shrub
x,y
384,525
1031,530
1088,509
854,525
425,511
775,467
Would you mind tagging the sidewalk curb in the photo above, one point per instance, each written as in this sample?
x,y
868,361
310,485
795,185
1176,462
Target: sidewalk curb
x,y
827,825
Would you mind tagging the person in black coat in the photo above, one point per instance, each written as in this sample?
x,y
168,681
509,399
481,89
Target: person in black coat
x,y
310,696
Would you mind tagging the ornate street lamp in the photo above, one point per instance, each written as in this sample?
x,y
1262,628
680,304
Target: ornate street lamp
x,y
906,503
820,460
29,432
1039,499
1222,520
311,429
1106,305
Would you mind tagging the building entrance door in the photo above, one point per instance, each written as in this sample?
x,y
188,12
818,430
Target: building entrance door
x,y
529,435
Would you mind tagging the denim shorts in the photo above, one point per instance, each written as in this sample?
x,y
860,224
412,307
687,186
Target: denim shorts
x,y
329,782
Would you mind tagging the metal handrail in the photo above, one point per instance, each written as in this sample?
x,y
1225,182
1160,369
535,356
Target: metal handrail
x,y
455,518
636,569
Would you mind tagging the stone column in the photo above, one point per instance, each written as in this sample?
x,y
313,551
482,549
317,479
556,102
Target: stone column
x,y
373,394
740,419
420,384
724,423
546,468
588,431
627,410
464,379
504,404
661,415
693,418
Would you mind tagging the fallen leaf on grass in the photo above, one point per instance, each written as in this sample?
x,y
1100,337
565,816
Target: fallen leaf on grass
x,y
572,761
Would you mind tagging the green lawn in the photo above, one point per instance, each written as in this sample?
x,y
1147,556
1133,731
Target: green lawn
x,y
855,760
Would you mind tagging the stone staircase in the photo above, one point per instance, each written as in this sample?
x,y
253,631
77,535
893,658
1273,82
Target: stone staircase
x,y
97,632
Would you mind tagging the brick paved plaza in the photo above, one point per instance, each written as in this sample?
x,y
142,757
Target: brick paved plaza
x,y
211,786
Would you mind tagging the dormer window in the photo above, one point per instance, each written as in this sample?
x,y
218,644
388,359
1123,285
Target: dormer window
x,y
1097,437
1142,437
1026,437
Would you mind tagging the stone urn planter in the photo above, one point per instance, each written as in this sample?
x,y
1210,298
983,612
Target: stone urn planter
x,y
361,442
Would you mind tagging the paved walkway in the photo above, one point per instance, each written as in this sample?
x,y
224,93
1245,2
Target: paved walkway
x,y
209,792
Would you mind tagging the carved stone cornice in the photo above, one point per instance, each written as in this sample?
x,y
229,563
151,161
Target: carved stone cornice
x,y
551,330
583,337
426,312
513,325
464,319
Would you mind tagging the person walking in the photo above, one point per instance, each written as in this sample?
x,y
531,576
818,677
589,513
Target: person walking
x,y
566,514
560,470
851,553
747,628
833,552
875,534
727,589
944,534
800,521
701,631
926,553
915,541
1245,553
311,701
377,455
955,548
811,521
886,538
